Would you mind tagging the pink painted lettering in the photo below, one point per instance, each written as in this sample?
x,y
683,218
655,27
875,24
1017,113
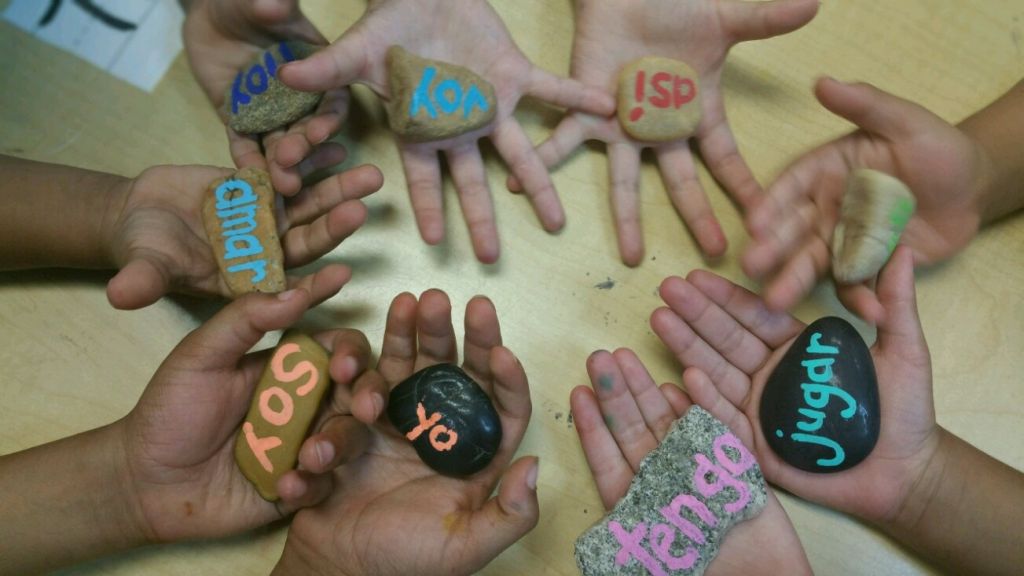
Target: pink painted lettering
x,y
662,537
298,371
276,417
260,446
632,547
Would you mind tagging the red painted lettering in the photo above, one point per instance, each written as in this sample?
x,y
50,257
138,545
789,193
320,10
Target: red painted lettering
x,y
688,95
664,97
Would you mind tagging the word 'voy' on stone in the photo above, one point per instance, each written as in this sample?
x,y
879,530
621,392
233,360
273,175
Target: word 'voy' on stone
x,y
283,407
238,215
433,100
658,99
258,102
686,496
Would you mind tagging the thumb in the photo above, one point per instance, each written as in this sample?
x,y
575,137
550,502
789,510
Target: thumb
x,y
870,108
335,66
744,20
505,518
140,283
222,340
899,330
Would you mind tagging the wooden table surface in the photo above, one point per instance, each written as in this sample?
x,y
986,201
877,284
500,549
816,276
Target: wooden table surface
x,y
71,362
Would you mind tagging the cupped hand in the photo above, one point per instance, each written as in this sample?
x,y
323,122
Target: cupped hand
x,y
730,342
221,38
156,235
624,417
791,228
390,513
610,34
470,34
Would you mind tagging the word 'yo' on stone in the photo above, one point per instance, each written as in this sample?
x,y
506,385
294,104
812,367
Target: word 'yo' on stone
x,y
258,102
284,404
689,492
820,408
659,99
876,208
449,419
433,100
238,215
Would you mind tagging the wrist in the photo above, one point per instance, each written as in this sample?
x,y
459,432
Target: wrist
x,y
115,198
984,177
297,559
923,489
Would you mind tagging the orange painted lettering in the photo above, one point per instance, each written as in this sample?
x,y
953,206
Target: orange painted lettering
x,y
425,423
276,417
300,369
260,446
448,444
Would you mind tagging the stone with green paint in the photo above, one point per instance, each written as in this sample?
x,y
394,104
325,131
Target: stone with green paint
x,y
875,210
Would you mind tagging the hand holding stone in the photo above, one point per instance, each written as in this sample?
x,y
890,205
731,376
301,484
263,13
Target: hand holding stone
x,y
612,34
732,343
467,33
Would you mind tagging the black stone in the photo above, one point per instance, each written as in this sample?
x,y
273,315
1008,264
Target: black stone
x,y
806,410
465,414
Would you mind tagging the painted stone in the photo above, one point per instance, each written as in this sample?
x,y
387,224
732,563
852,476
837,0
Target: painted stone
x,y
258,102
449,419
659,99
689,492
283,407
238,214
819,410
433,100
876,209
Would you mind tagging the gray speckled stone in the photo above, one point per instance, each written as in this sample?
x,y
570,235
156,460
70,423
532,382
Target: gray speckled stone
x,y
688,493
257,102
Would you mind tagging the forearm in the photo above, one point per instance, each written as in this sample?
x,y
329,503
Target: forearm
x,y
966,512
999,131
55,216
64,502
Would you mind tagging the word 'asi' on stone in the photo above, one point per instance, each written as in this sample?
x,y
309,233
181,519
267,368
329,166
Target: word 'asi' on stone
x,y
449,419
238,214
258,102
876,208
689,492
433,100
659,99
820,408
284,404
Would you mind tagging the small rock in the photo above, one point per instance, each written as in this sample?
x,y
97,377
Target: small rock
x,y
432,100
258,102
876,209
689,492
819,411
659,99
449,419
284,404
238,214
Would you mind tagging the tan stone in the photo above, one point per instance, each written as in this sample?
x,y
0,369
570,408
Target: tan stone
x,y
238,214
876,208
432,100
284,404
257,102
659,99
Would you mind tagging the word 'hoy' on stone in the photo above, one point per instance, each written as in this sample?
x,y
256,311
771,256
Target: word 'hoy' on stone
x,y
820,407
284,404
238,214
258,102
658,99
433,100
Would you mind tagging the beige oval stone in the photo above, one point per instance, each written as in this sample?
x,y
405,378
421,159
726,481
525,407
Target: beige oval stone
x,y
257,102
659,99
433,100
876,208
238,214
284,404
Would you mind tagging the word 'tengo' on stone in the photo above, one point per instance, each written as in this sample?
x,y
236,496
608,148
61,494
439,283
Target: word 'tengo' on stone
x,y
659,99
283,407
876,208
689,492
449,419
238,215
258,102
433,100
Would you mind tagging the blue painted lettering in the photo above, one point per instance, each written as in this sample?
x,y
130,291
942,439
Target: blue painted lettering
x,y
257,77
838,453
443,90
258,267
242,220
237,95
256,81
817,419
817,348
226,200
241,246
474,99
421,97
817,396
448,95
813,366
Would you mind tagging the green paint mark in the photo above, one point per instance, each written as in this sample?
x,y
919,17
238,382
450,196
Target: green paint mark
x,y
605,382
609,421
898,218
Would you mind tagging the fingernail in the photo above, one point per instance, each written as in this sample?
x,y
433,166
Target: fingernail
x,y
350,367
531,476
378,404
325,452
288,294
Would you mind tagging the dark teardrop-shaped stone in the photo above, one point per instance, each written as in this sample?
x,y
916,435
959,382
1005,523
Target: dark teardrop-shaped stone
x,y
450,420
819,410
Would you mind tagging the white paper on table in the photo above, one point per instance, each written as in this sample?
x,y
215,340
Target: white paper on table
x,y
135,40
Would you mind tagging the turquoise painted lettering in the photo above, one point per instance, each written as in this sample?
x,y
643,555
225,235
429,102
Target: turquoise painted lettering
x,y
421,97
225,200
817,419
238,220
258,267
241,246
819,369
449,87
818,395
817,348
474,99
838,453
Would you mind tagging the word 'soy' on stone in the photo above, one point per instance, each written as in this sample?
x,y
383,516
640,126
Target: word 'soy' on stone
x,y
284,404
820,407
257,102
449,419
659,99
238,214
876,208
433,100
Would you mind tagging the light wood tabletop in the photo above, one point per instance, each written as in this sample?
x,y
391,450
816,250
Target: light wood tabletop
x,y
72,363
